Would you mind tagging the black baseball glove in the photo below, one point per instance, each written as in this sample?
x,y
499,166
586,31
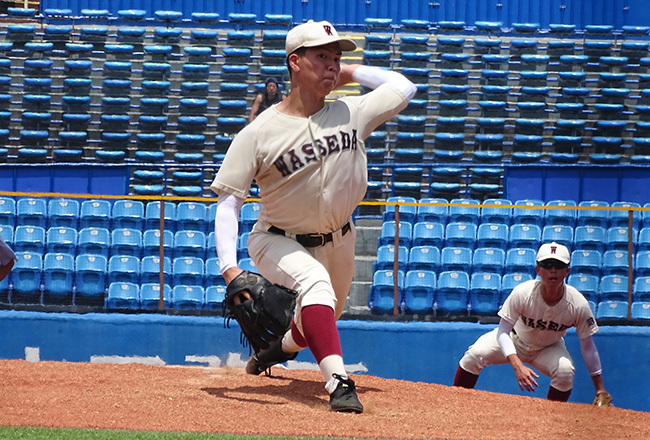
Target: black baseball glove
x,y
265,317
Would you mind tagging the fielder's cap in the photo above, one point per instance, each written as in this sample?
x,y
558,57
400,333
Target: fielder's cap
x,y
315,33
553,251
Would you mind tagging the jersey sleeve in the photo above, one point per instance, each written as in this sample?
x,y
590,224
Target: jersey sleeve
x,y
585,323
511,308
378,106
238,167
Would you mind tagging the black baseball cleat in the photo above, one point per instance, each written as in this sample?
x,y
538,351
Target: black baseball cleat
x,y
344,397
268,357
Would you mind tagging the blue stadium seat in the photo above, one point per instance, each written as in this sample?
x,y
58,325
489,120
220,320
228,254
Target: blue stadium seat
x,y
587,284
510,280
152,216
188,297
248,216
424,258
484,293
492,235
460,234
189,244
560,234
58,274
452,295
589,238
419,291
525,236
128,214
63,212
90,276
29,239
488,259
616,238
560,215
611,310
32,211
191,216
430,212
123,296
7,211
641,289
640,310
456,259
212,272
124,269
381,295
125,241
388,231
593,217
150,269
26,276
613,288
407,213
150,296
520,260
496,214
95,241
242,245
214,297
527,213
619,217
470,211
586,262
428,233
188,271
643,240
151,242
61,240
615,262
386,257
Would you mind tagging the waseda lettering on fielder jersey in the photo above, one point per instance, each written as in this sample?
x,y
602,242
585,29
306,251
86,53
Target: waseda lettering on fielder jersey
x,y
541,324
297,158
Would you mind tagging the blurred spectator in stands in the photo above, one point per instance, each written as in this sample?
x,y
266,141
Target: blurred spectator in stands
x,y
266,99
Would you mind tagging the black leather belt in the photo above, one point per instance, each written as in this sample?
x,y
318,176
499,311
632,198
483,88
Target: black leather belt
x,y
312,240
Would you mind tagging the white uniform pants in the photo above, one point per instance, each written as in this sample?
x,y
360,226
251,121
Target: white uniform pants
x,y
321,275
553,361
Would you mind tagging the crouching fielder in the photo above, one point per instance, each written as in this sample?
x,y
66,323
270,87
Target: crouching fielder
x,y
534,320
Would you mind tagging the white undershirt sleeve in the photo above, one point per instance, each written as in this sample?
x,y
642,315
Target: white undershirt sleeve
x,y
226,229
373,77
590,356
504,339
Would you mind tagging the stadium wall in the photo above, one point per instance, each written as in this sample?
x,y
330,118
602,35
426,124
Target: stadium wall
x,y
579,12
415,351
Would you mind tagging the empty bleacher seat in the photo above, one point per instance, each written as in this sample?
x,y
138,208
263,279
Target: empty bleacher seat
x,y
381,294
151,242
589,238
124,268
419,291
386,257
424,257
29,239
452,294
493,235
123,296
152,215
523,235
188,271
90,276
520,260
150,296
460,234
528,211
61,239
186,297
613,288
95,241
58,275
456,258
484,293
587,284
150,269
95,213
26,277
488,259
615,262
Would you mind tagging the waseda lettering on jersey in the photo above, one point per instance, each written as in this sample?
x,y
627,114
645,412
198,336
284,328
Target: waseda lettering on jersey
x,y
297,158
541,324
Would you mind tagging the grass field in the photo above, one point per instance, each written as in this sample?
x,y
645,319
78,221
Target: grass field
x,y
92,434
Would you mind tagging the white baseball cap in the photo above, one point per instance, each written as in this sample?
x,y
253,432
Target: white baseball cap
x,y
553,251
315,33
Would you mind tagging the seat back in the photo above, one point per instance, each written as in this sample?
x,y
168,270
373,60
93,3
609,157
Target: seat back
x,y
29,239
124,269
188,271
189,244
123,296
95,241
525,236
188,297
150,269
492,235
452,294
484,293
488,259
587,284
424,258
63,212
150,296
419,291
152,216
428,233
32,211
381,294
192,216
7,211
128,214
126,241
26,273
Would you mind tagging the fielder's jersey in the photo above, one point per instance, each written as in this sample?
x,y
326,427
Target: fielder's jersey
x,y
539,325
312,172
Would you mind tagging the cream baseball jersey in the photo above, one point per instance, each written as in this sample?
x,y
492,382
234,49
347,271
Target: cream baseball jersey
x,y
539,325
312,172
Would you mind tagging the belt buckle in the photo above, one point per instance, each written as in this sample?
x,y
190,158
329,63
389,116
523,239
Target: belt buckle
x,y
323,242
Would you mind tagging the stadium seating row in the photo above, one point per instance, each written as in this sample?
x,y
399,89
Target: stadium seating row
x,y
455,293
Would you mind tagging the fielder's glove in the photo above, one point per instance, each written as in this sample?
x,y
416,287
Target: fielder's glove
x,y
603,399
264,318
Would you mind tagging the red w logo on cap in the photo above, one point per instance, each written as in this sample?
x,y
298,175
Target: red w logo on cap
x,y
553,249
328,29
